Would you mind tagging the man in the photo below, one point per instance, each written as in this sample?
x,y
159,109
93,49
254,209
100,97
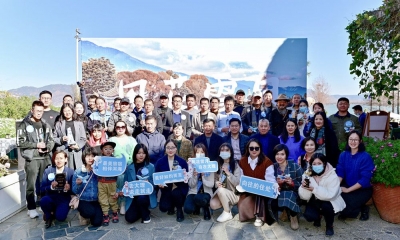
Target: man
x,y
279,115
268,104
211,140
224,116
152,139
197,123
191,105
101,115
91,104
49,115
252,114
149,110
163,106
237,140
240,103
177,115
68,99
267,140
296,101
342,121
138,110
124,115
214,105
35,140
117,102
358,111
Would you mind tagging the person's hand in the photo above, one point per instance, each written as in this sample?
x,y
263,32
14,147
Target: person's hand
x,y
142,123
54,184
74,146
279,180
250,130
42,151
226,170
304,185
115,196
121,194
345,190
67,187
288,180
225,129
65,139
195,172
161,186
41,145
78,181
219,184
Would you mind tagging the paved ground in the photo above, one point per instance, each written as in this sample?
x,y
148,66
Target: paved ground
x,y
163,226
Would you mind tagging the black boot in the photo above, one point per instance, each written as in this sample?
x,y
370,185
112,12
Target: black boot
x,y
207,215
196,211
48,222
364,213
179,215
329,231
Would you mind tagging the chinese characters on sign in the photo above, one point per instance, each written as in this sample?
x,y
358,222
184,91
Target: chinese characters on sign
x,y
259,187
161,178
109,166
202,165
136,188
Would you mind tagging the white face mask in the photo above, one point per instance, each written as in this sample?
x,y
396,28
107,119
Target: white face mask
x,y
225,155
199,155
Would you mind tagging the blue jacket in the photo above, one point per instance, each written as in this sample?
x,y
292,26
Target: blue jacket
x,y
355,168
268,142
46,183
91,191
243,140
215,142
130,175
154,142
163,166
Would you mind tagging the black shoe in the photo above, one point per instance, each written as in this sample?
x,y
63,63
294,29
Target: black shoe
x,y
171,212
196,211
317,223
341,217
364,214
329,231
48,223
179,215
207,215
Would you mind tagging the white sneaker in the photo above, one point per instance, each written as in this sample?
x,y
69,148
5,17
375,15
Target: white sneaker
x,y
240,189
147,221
225,216
122,209
33,213
258,222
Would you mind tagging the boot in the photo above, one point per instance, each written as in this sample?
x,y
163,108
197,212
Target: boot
x,y
294,223
207,215
179,215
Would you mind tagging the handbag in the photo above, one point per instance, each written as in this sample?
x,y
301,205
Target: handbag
x,y
74,203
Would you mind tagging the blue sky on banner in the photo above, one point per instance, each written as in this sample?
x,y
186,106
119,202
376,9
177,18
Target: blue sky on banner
x,y
37,46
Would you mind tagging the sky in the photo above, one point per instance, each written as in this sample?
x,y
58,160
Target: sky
x,y
37,44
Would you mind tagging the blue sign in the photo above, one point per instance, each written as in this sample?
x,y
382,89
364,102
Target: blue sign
x,y
136,188
203,164
259,187
109,166
161,178
199,160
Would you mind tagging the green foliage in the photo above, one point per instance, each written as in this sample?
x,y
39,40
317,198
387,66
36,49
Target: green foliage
x,y
14,107
7,127
386,156
4,166
374,43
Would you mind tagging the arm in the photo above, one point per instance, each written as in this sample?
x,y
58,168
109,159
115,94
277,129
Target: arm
x,y
81,141
188,127
23,138
269,174
84,99
159,124
235,177
328,192
111,123
76,188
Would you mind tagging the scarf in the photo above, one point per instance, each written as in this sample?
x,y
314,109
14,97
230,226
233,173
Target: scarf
x,y
254,120
319,136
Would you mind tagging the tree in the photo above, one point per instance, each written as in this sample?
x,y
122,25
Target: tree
x,y
320,90
14,107
99,75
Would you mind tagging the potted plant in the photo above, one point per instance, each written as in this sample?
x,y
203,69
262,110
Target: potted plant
x,y
12,189
386,178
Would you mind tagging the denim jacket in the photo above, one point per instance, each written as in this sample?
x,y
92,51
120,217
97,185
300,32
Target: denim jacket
x,y
91,191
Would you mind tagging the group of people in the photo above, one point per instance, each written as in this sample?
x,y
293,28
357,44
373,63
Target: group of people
x,y
281,142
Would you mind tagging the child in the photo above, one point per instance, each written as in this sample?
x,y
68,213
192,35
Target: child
x,y
108,196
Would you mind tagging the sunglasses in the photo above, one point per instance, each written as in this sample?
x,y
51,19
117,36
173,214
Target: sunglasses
x,y
120,127
254,148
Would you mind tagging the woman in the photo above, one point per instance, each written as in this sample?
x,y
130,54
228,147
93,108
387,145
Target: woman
x,y
226,180
355,169
308,145
200,188
288,175
317,107
81,113
84,178
303,117
292,139
97,137
185,147
70,136
55,203
255,164
140,169
325,137
173,195
322,193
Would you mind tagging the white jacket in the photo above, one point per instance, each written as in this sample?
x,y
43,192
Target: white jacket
x,y
328,189
208,184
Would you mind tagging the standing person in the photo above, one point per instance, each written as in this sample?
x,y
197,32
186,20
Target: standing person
x,y
226,180
55,203
252,114
84,182
49,115
303,117
149,110
342,121
226,115
163,108
358,111
309,146
122,114
289,176
173,195
68,99
197,123
295,105
35,140
101,115
152,139
317,107
214,105
292,139
267,140
91,104
322,193
200,190
185,147
325,138
138,207
211,140
70,136
267,103
97,137
237,140
138,110
255,164
177,115
80,113
355,169
191,107
240,102
279,115
116,104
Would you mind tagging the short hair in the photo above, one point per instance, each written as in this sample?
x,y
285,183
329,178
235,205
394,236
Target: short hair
x,y
261,157
149,100
101,98
204,99
268,91
202,146
229,98
177,96
264,120
89,151
279,148
358,108
212,98
53,158
232,162
177,124
65,96
191,95
303,101
305,140
150,117
37,103
92,96
298,94
137,96
136,151
207,120
343,99
45,92
117,99
235,120
168,141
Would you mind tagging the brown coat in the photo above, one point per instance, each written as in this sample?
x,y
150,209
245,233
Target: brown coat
x,y
186,150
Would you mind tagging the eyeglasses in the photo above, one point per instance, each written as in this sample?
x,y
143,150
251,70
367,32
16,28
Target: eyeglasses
x,y
354,140
177,101
254,148
171,148
120,127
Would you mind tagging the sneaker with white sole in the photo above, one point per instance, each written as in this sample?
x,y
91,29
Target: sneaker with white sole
x,y
258,222
122,209
225,216
147,221
27,213
33,213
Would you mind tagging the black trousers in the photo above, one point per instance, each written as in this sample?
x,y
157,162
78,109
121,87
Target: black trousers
x,y
171,199
355,200
195,201
91,210
315,208
138,209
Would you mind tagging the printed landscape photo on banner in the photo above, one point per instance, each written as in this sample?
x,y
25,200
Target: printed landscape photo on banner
x,y
126,67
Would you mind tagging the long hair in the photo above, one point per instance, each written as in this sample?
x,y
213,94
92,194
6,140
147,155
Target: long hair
x,y
82,117
285,135
64,106
361,146
103,138
202,146
261,156
137,149
323,115
115,128
321,157
232,162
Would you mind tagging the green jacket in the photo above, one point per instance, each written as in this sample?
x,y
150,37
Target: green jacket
x,y
338,124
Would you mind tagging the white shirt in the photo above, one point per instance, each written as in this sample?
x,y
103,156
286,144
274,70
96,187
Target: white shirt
x,y
236,148
269,172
